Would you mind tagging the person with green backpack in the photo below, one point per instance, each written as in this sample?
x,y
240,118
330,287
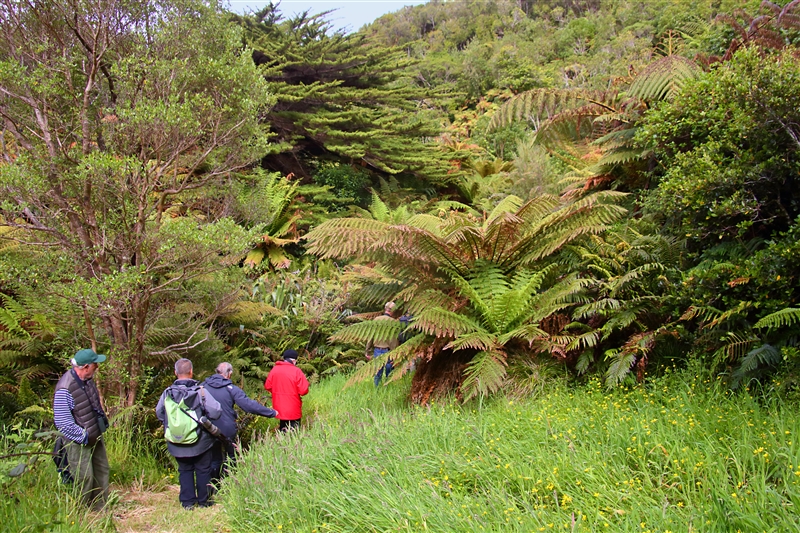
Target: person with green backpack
x,y
181,407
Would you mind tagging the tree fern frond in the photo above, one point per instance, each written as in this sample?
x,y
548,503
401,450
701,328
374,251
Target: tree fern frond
x,y
737,344
621,364
369,331
484,375
248,313
478,340
755,362
441,323
527,332
619,284
429,223
588,339
509,204
788,316
585,359
621,157
341,238
413,347
597,307
665,78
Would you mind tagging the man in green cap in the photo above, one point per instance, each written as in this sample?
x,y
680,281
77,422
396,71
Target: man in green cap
x,y
80,418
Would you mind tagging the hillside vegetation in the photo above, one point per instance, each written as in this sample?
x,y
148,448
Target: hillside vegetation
x,y
573,203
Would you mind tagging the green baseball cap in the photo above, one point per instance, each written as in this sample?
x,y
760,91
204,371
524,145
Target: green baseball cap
x,y
87,357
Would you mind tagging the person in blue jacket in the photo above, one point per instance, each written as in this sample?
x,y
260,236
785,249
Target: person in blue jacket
x,y
227,394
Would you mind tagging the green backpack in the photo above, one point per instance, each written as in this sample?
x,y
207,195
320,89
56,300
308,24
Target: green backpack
x,y
181,428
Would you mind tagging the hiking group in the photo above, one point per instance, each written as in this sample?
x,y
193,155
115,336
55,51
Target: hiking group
x,y
199,419
199,422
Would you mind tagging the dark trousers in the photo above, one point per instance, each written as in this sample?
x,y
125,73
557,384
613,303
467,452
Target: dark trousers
x,y
288,425
222,459
194,475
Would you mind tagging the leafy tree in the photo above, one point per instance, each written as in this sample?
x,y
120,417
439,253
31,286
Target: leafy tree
x,y
341,99
122,115
730,147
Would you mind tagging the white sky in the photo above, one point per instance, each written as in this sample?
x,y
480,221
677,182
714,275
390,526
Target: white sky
x,y
350,15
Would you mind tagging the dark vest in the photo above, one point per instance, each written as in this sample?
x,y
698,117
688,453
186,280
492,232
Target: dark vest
x,y
87,403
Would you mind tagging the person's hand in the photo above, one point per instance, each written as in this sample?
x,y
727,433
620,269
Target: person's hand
x,y
276,413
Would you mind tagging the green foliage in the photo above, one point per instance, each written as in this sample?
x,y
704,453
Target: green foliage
x,y
268,202
25,395
298,310
564,457
137,124
25,340
348,183
477,286
341,99
736,122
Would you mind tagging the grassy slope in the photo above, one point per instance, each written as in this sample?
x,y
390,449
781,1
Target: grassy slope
x,y
678,455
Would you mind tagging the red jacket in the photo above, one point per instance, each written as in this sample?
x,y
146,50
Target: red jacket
x,y
287,383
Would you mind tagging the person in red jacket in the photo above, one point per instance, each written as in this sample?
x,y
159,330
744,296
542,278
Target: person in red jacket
x,y
287,383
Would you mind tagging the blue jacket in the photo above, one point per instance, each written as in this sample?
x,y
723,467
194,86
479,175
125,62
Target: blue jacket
x,y
228,394
202,403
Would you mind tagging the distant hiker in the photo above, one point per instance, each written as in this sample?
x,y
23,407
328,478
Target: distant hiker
x,y
180,409
376,348
227,394
287,383
80,418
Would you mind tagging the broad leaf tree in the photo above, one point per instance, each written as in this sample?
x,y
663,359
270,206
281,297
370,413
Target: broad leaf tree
x,y
122,114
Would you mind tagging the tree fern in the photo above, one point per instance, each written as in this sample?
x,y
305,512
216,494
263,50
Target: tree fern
x,y
621,363
369,331
664,78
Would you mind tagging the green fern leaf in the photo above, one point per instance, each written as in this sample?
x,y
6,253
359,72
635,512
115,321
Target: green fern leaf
x,y
779,319
484,374
621,364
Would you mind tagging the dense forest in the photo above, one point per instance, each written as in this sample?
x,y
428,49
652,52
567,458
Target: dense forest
x,y
604,188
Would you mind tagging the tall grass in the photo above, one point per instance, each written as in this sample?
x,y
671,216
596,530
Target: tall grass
x,y
678,455
137,457
38,501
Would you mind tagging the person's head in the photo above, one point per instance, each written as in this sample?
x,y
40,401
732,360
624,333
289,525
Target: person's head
x,y
183,368
388,308
225,370
290,356
85,363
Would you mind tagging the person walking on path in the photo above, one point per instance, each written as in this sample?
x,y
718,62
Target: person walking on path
x,y
287,384
80,418
378,347
194,460
223,390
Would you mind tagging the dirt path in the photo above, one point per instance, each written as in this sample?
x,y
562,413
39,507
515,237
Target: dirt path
x,y
140,511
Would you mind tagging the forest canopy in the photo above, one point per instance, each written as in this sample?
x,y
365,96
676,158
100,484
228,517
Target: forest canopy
x,y
599,185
